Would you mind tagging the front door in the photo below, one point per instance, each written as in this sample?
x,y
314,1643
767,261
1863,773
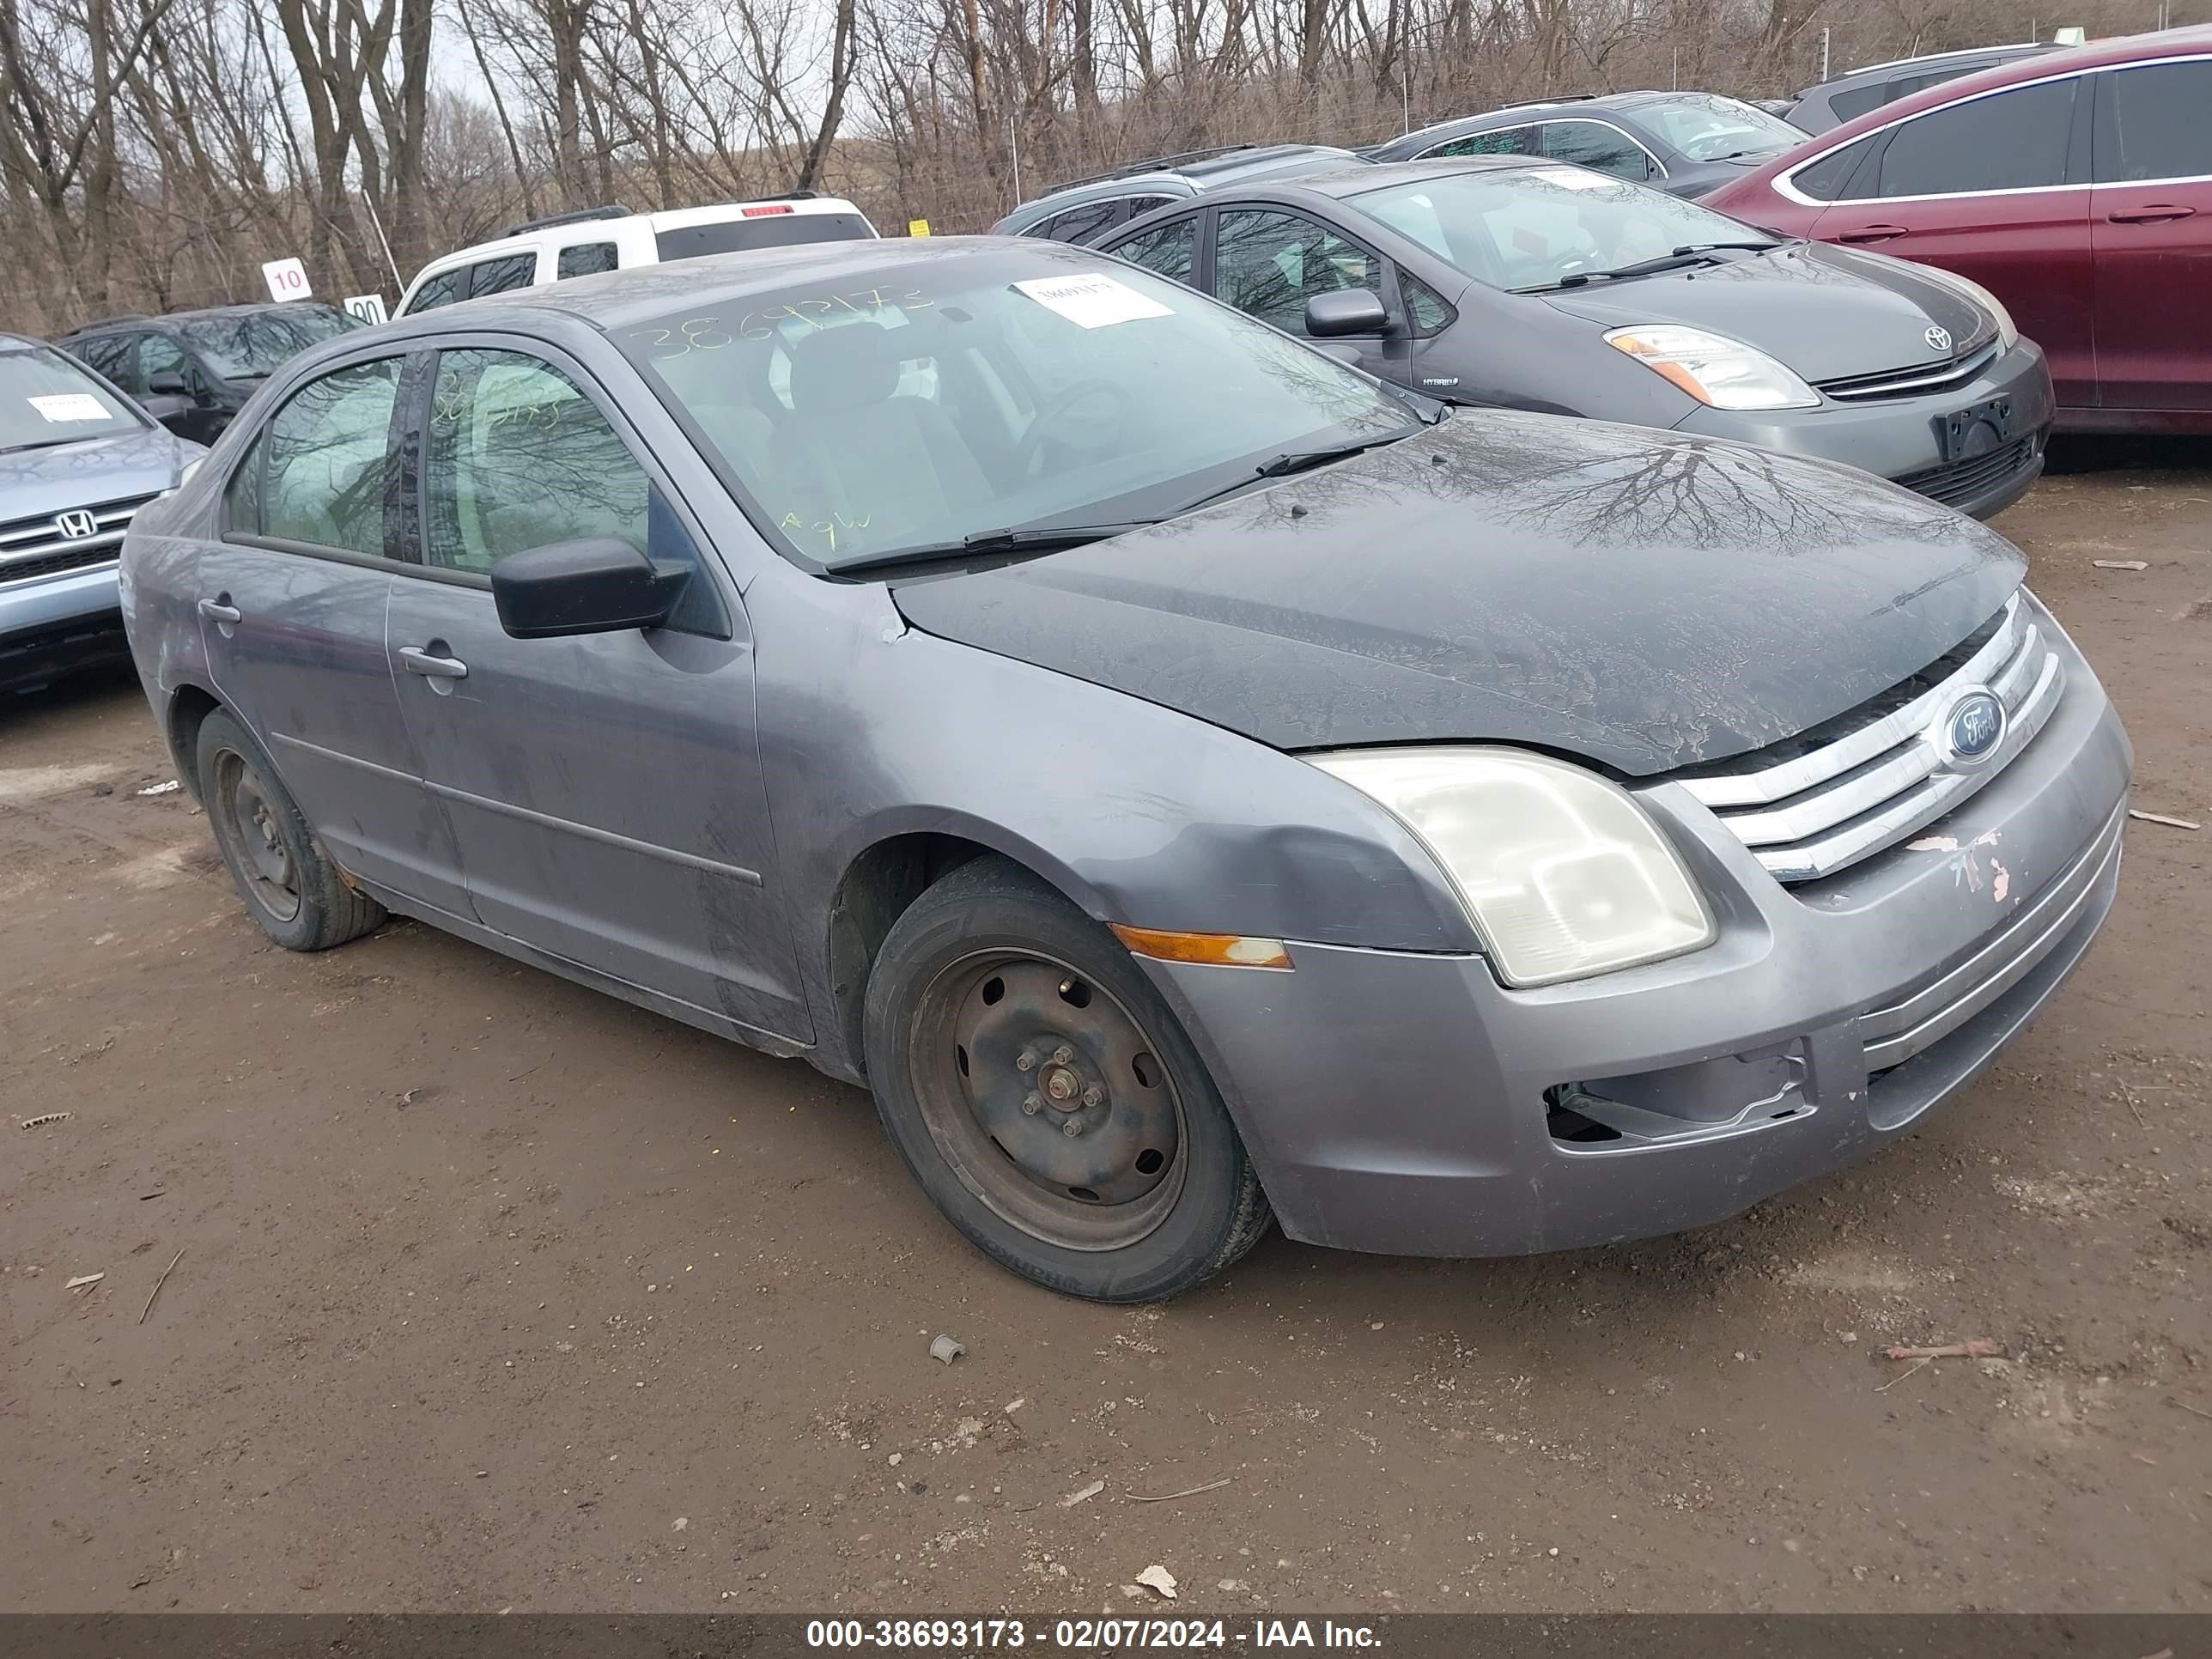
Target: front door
x,y
1268,263
605,789
292,613
2151,229
1995,187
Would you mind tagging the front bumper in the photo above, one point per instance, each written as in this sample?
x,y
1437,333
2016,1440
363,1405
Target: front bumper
x,y
1412,1104
55,625
1895,438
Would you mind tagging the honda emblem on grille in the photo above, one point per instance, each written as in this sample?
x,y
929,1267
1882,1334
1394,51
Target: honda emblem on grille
x,y
1938,339
1973,728
77,524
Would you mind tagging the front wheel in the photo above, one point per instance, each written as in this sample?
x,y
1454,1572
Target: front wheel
x,y
1044,1095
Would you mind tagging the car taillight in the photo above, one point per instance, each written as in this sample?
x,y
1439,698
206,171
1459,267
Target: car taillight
x,y
760,212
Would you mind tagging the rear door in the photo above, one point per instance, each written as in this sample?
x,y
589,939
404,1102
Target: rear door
x,y
292,607
1997,188
605,789
2151,232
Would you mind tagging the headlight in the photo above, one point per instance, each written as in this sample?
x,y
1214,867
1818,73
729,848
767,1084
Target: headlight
x,y
1967,288
1714,369
1561,873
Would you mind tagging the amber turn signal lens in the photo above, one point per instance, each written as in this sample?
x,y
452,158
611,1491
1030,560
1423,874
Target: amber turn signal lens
x,y
1222,950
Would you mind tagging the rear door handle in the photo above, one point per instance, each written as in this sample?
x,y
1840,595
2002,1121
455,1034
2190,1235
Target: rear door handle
x,y
2150,214
1872,234
432,667
216,611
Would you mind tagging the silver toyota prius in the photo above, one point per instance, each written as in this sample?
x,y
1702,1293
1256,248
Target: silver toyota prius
x,y
1189,783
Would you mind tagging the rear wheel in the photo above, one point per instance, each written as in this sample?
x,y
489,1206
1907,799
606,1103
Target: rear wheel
x,y
288,883
1046,1099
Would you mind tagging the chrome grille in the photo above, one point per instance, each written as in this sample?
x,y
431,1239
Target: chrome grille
x,y
1817,810
32,547
1913,382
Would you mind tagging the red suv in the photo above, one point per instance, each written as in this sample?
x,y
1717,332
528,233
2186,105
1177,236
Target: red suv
x,y
2076,186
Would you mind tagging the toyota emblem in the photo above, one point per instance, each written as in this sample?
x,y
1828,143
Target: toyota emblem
x,y
77,524
1938,339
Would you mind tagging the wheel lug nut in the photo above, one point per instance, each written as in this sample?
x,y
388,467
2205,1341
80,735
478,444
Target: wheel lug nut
x,y
1031,1104
1062,1055
1024,1061
1093,1095
1072,1127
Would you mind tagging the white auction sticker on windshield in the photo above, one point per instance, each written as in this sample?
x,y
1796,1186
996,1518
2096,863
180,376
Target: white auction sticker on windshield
x,y
1091,300
1575,178
69,406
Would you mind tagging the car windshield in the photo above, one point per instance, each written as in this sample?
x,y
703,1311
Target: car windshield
x,y
247,345
1534,227
951,398
44,399
1706,128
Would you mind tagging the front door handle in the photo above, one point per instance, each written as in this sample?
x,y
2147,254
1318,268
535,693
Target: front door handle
x,y
2150,214
431,663
221,611
1872,234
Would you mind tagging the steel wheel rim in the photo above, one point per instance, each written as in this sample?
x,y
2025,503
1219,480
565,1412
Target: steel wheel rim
x,y
248,822
1001,1124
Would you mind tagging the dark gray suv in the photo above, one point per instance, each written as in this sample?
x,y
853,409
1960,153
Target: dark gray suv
x,y
1186,781
1083,209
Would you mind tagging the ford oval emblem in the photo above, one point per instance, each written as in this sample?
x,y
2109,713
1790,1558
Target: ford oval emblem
x,y
1938,339
1973,728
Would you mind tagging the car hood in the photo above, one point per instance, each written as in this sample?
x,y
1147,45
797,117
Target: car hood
x,y
1645,601
35,482
1827,312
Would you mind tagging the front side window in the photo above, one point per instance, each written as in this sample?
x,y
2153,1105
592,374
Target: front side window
x,y
251,344
1024,386
1498,141
440,290
1600,148
1170,249
1535,227
161,357
518,456
47,399
1270,264
2157,124
2012,140
325,482
503,275
587,259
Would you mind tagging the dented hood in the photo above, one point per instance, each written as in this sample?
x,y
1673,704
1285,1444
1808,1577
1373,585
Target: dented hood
x,y
1643,600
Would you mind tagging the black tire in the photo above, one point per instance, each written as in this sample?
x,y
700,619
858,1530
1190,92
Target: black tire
x,y
943,1050
291,887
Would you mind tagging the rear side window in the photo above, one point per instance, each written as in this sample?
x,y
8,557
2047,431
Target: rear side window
x,y
587,259
1080,223
2012,140
2156,124
1499,140
1855,101
503,275
440,290
765,230
519,458
1170,249
1826,179
1593,144
326,447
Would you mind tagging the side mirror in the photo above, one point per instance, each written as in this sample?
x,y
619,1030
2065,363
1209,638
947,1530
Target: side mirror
x,y
1348,311
597,585
170,383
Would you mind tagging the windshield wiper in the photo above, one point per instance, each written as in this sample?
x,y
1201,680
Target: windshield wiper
x,y
1303,461
42,443
1689,253
1053,538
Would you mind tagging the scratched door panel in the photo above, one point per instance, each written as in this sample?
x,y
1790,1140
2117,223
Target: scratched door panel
x,y
606,792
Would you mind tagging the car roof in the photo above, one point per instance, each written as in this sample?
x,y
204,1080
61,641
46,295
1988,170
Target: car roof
x,y
1997,53
2036,66
196,313
1204,168
1337,183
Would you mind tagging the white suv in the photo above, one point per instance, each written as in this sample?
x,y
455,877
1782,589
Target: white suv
x,y
614,239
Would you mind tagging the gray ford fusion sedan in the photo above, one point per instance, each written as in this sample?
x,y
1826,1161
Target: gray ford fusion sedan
x,y
1186,781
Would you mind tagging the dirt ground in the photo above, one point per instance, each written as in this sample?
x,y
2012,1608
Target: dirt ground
x,y
497,1293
